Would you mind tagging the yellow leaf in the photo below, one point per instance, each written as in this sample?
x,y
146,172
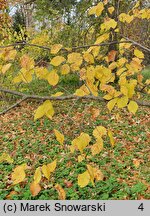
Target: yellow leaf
x,y
99,9
121,62
108,97
113,65
45,109
55,48
6,157
92,11
111,104
81,158
59,136
75,58
88,57
99,131
65,69
18,174
135,66
98,175
137,5
6,67
57,94
97,147
145,13
46,171
147,82
61,192
108,24
9,54
120,71
83,179
17,79
41,72
140,78
95,51
40,112
74,67
58,60
53,78
138,53
123,17
96,10
122,102
82,74
26,76
123,46
90,73
112,141
108,88
132,107
73,148
117,93
37,175
102,38
52,166
27,62
93,87
82,91
91,173
81,141
49,110
35,188
131,91
111,10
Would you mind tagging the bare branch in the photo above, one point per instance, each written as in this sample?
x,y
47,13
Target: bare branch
x,y
29,2
79,47
137,44
62,98
13,106
25,44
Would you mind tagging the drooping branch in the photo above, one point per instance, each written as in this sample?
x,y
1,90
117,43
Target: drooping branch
x,y
59,98
77,47
136,44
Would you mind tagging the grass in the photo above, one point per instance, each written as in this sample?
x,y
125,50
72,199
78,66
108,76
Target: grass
x,y
146,73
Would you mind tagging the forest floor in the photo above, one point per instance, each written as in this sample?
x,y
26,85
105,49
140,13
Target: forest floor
x,y
126,167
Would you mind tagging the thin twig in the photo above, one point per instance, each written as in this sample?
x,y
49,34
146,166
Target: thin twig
x,y
136,43
14,105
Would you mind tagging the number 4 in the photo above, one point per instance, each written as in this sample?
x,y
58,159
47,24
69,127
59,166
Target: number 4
x,y
141,207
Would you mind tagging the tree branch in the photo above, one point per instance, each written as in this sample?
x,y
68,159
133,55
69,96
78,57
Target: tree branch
x,y
78,47
29,2
60,98
136,43
13,106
